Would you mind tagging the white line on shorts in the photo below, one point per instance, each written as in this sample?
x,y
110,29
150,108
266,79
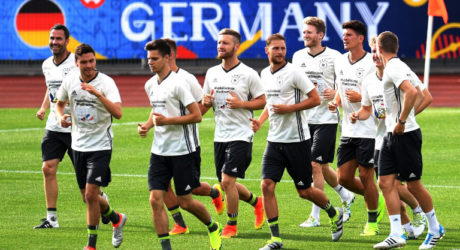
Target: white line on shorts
x,y
202,177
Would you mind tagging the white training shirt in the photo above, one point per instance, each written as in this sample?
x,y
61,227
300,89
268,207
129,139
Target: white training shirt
x,y
54,74
372,95
349,77
320,70
288,85
243,81
170,98
91,122
394,74
197,93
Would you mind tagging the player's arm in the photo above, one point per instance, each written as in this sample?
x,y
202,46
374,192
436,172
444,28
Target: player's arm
x,y
410,94
113,108
144,128
60,116
256,124
255,103
193,117
362,114
336,102
45,105
313,100
427,99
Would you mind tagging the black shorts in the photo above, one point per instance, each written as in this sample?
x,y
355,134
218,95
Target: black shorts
x,y
182,168
232,158
92,167
402,155
361,149
323,138
55,144
295,157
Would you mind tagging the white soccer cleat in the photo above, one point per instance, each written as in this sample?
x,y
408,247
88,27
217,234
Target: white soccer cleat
x,y
391,241
311,222
419,224
432,239
346,206
117,235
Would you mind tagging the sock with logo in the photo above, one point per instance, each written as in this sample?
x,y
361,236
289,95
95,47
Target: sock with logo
x,y
330,210
433,224
274,228
112,215
252,200
395,225
177,215
92,235
214,193
372,215
232,219
164,241
212,226
51,215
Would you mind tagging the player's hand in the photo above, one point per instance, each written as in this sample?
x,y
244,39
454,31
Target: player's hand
x,y
281,109
328,94
332,106
64,121
255,124
142,129
41,114
399,129
233,102
354,117
159,119
90,88
353,96
208,99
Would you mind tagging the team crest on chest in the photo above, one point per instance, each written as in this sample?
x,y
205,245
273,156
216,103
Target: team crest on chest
x,y
279,80
235,79
323,64
360,72
66,71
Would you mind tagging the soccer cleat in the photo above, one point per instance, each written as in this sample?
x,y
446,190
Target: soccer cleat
x,y
229,231
47,224
219,202
177,229
215,239
259,213
310,222
419,223
346,206
105,219
432,239
380,208
117,235
391,242
371,229
336,224
89,248
410,233
273,243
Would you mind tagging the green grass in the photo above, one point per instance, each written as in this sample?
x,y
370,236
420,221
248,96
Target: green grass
x,y
23,205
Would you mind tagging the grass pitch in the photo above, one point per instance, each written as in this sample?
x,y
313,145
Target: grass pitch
x,y
23,202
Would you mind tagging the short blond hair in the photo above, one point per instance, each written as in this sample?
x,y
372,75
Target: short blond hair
x,y
317,22
273,37
372,41
389,42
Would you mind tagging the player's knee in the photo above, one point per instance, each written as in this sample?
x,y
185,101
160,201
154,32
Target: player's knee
x,y
305,193
267,186
49,169
228,183
384,184
91,196
184,203
155,202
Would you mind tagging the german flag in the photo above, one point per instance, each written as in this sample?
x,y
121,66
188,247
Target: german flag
x,y
35,19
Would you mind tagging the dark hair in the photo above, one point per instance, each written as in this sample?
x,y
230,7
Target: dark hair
x,y
159,44
231,32
357,26
83,49
59,26
272,37
389,42
171,43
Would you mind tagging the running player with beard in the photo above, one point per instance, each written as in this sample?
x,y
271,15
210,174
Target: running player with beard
x,y
233,90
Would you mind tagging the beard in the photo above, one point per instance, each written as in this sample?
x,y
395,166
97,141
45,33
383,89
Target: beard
x,y
227,54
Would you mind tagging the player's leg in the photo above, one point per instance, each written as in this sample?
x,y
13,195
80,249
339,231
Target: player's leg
x,y
347,165
417,226
172,204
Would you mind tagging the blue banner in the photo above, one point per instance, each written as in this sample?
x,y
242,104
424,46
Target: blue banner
x,y
119,29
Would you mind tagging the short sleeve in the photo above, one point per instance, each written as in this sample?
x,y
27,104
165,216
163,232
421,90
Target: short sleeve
x,y
111,91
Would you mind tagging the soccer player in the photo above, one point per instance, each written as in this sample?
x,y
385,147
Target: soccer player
x,y
288,92
57,140
318,63
233,90
204,189
174,113
373,103
94,99
401,150
356,147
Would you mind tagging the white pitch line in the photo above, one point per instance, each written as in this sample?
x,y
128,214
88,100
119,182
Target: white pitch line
x,y
202,177
43,128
